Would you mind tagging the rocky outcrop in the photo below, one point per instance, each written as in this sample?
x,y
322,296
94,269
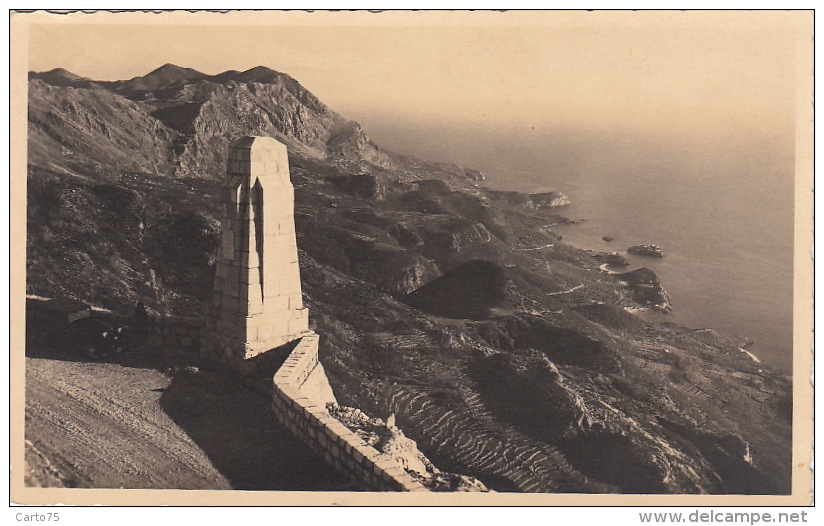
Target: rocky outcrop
x,y
475,175
259,101
541,200
614,259
366,185
387,438
561,345
233,110
94,131
549,200
471,290
444,237
646,288
506,380
348,141
646,250
366,253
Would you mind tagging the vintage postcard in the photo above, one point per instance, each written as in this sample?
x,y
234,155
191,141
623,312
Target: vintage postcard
x,y
412,258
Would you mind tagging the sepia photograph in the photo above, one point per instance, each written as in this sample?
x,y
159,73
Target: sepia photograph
x,y
517,257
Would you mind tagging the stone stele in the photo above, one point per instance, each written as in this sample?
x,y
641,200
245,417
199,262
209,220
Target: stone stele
x,y
257,303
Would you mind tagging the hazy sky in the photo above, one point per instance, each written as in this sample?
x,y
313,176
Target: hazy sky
x,y
669,73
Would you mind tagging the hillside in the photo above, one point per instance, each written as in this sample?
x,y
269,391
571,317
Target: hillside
x,y
505,353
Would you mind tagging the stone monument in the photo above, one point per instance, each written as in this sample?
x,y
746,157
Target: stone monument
x,y
257,303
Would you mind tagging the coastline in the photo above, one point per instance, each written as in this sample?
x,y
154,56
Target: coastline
x,y
714,286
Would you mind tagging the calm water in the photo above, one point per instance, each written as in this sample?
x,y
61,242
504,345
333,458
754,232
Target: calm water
x,y
722,214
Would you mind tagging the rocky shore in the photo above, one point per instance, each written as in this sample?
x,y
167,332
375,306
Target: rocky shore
x,y
646,288
646,250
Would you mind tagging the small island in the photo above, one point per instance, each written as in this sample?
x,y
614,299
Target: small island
x,y
646,250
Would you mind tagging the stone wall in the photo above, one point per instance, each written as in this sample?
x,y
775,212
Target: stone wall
x,y
176,332
300,405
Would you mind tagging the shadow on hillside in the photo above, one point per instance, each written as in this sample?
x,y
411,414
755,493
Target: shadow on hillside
x,y
233,425
223,414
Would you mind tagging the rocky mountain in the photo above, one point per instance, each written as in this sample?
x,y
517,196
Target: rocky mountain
x,y
164,76
64,77
91,131
194,114
505,354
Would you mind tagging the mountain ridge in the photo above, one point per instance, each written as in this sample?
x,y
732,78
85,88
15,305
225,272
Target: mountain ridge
x,y
204,109
158,78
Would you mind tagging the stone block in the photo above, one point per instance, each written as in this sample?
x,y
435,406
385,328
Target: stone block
x,y
376,483
252,277
335,428
264,330
293,302
278,303
351,441
298,326
362,452
253,307
301,401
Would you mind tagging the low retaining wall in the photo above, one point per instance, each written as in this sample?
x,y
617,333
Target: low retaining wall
x,y
297,405
176,332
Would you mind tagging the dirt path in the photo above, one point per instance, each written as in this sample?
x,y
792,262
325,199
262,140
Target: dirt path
x,y
110,425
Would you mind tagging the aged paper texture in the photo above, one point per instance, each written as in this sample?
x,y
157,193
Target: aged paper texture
x,y
553,107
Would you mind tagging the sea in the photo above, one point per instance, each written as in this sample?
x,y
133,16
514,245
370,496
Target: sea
x,y
720,207
722,212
